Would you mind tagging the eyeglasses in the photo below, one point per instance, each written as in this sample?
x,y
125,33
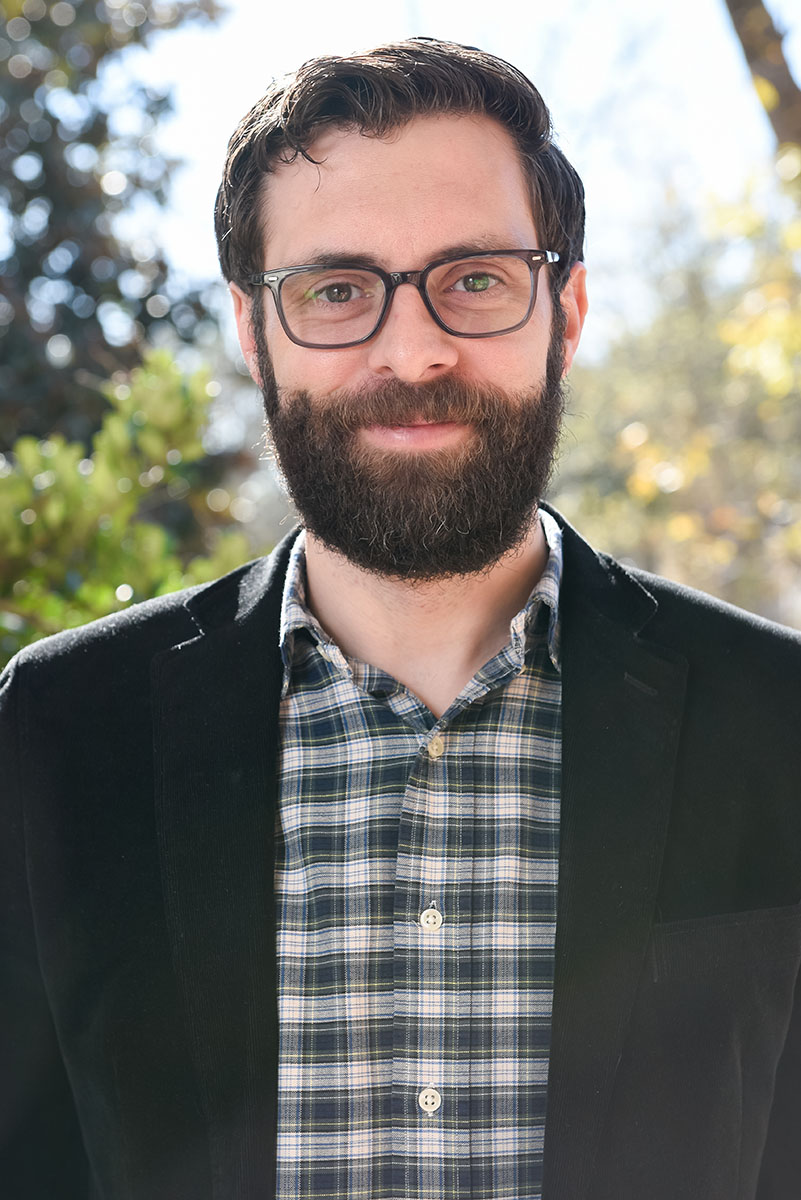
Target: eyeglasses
x,y
325,306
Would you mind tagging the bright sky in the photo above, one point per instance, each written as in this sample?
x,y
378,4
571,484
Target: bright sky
x,y
646,100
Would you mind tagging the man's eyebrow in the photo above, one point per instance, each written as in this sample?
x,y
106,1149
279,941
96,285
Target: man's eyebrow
x,y
328,258
478,245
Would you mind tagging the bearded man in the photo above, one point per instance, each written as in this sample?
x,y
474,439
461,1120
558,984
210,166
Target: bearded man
x,y
435,855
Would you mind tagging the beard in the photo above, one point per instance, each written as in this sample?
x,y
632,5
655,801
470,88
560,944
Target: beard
x,y
417,516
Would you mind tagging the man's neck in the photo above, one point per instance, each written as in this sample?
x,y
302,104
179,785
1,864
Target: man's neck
x,y
432,637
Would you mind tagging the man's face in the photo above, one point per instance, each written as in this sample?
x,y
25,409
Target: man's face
x,y
417,454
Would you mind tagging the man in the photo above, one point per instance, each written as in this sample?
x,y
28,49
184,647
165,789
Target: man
x,y
321,880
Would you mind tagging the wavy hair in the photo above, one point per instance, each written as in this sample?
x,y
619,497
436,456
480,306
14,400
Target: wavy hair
x,y
375,92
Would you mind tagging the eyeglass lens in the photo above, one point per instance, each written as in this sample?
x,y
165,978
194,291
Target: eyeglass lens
x,y
333,305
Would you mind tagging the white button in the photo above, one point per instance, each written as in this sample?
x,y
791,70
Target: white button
x,y
431,919
429,1100
436,747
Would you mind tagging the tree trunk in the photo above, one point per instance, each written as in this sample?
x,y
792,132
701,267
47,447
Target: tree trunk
x,y
762,46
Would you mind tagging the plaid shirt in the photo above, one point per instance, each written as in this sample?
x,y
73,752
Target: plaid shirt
x,y
416,886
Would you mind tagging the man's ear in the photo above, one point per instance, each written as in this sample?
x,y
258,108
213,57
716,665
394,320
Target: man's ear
x,y
244,328
574,305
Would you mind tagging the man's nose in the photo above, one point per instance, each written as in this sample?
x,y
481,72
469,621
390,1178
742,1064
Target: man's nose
x,y
410,345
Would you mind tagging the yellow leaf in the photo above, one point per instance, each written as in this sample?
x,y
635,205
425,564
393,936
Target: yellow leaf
x,y
768,96
791,236
683,527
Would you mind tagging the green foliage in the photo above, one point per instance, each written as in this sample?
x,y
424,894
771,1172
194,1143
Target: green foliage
x,y
683,448
76,302
82,535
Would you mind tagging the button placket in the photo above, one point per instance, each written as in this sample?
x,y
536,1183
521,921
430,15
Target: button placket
x,y
427,845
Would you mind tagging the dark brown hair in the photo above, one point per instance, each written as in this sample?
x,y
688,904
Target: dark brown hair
x,y
380,90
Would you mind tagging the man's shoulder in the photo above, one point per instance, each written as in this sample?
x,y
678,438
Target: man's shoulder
x,y
662,610
141,631
158,620
697,618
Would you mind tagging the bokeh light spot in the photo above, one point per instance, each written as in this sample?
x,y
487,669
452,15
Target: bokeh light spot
x,y
27,167
59,350
114,183
218,500
157,306
62,14
20,66
18,29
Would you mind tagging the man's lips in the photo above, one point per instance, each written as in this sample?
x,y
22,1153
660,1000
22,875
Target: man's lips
x,y
415,434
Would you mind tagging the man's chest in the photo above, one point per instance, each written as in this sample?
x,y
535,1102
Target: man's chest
x,y
416,883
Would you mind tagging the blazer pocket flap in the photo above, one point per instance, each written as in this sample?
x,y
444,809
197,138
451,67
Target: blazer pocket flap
x,y
728,943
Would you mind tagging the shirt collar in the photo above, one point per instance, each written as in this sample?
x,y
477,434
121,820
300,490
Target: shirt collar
x,y
546,593
297,619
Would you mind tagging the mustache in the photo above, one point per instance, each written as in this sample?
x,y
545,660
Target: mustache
x,y
399,403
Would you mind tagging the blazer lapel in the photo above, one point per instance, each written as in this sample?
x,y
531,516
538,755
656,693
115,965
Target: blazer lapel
x,y
216,735
622,705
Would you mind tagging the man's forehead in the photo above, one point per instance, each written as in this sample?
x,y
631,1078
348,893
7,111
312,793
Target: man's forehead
x,y
343,143
444,184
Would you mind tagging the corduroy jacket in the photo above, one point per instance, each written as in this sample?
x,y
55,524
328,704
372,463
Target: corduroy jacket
x,y
138,786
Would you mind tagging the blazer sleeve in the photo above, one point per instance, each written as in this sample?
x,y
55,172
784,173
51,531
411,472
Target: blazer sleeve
x,y
41,1149
781,1162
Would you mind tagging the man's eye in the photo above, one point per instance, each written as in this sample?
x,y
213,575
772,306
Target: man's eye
x,y
478,281
336,293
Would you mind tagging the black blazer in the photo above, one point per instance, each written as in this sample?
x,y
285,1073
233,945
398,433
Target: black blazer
x,y
138,1026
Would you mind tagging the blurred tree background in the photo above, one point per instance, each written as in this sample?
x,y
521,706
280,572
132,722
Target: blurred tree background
x,y
81,533
683,448
103,476
682,442
77,301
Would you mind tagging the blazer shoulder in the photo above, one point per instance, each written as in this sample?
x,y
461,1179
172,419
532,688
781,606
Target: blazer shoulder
x,y
661,610
143,630
703,626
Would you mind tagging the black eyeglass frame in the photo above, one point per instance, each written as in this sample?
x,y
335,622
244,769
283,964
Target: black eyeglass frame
x,y
274,280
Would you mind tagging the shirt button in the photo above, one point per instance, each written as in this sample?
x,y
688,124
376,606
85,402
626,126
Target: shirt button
x,y
429,1100
431,919
436,747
